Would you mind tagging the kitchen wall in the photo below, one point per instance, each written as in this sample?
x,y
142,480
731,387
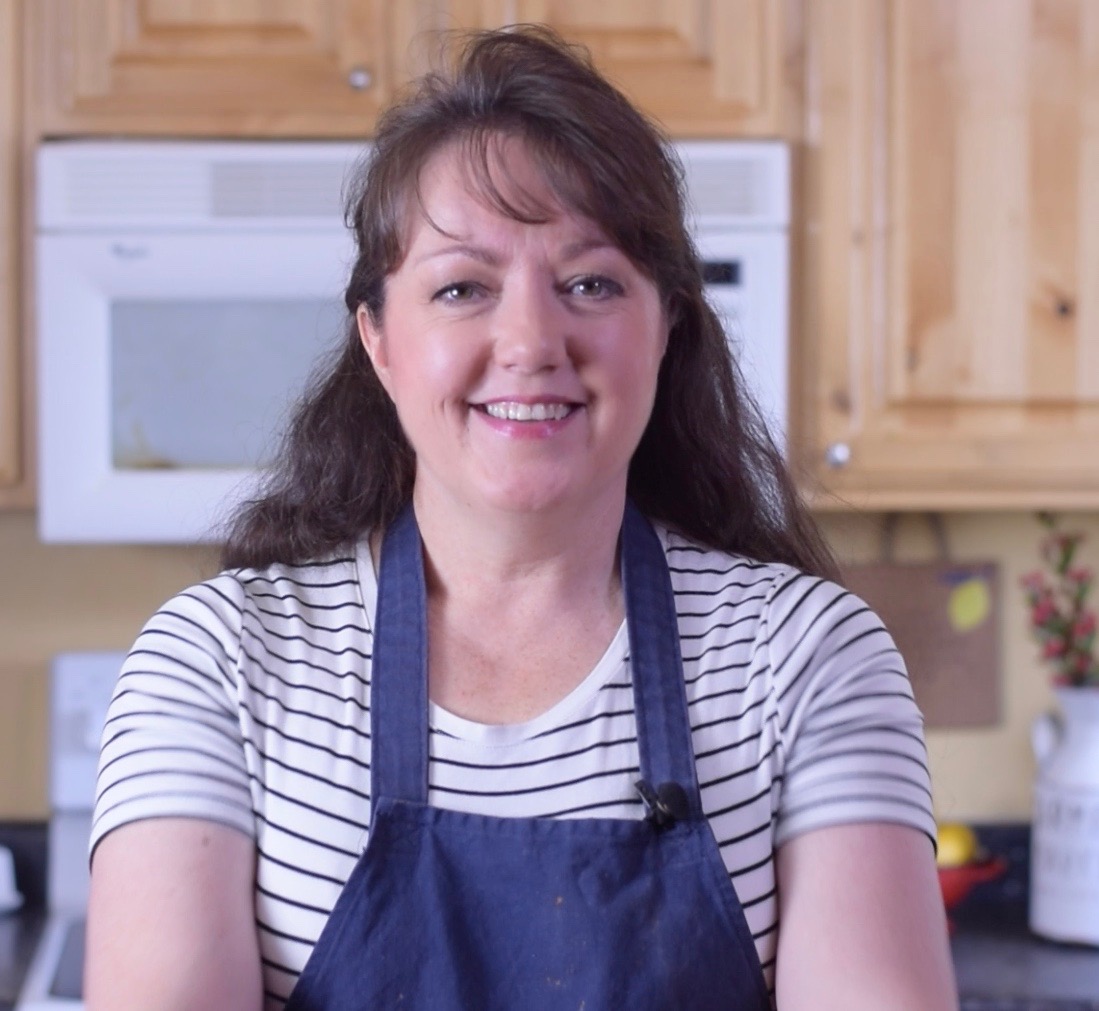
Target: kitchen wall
x,y
983,773
62,598
55,598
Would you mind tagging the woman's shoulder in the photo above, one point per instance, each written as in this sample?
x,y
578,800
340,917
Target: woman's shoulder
x,y
268,596
244,633
694,565
788,601
321,582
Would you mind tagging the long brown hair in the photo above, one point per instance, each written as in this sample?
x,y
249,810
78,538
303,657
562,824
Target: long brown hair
x,y
705,465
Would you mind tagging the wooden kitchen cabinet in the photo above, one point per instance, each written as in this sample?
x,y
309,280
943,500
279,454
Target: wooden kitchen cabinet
x,y
950,253
325,68
702,69
11,430
219,67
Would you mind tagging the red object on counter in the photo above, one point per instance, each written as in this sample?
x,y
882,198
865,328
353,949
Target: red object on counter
x,y
958,882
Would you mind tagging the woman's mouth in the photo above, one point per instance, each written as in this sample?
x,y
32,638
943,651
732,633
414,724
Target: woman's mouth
x,y
510,410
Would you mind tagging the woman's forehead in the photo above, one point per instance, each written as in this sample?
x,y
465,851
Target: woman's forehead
x,y
459,182
503,173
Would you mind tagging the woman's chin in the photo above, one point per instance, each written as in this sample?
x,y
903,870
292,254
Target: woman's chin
x,y
534,498
520,503
537,492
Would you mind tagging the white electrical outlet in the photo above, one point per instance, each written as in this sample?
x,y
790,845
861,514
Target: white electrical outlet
x,y
80,690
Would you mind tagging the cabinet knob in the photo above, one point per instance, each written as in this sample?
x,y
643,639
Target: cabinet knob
x,y
837,455
359,78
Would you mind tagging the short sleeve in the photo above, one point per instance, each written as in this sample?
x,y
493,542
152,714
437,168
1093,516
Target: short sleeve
x,y
850,730
172,744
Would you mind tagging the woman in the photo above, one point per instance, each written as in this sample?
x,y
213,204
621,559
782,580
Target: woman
x,y
523,686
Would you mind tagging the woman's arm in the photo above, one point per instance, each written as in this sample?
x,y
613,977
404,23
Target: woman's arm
x,y
170,919
861,922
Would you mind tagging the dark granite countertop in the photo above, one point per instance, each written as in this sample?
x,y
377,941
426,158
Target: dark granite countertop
x,y
1000,964
20,930
19,933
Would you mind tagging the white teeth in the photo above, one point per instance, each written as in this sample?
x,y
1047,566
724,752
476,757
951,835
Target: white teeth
x,y
511,411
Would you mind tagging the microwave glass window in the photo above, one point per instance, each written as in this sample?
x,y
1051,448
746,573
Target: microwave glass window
x,y
210,384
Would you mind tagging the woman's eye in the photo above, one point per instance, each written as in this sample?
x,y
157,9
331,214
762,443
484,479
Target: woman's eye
x,y
459,291
594,286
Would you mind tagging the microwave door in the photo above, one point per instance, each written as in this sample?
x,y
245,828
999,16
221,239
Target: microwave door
x,y
167,366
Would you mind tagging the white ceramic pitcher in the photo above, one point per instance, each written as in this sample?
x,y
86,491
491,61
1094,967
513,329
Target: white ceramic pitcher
x,y
1064,858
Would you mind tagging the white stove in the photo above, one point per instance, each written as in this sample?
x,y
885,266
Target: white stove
x,y
80,689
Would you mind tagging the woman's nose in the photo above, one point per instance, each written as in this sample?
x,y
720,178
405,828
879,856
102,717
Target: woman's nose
x,y
530,328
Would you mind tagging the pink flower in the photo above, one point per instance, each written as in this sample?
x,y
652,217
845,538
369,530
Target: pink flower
x,y
1042,611
1056,597
1085,625
1053,648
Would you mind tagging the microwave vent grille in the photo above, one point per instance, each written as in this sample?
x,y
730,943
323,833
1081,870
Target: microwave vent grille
x,y
244,189
727,188
159,189
108,184
131,188
737,185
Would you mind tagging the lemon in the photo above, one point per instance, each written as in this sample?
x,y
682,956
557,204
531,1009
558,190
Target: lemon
x,y
969,604
958,844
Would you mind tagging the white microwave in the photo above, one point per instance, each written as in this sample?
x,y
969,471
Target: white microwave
x,y
186,290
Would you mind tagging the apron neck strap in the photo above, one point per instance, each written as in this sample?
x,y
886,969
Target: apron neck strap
x,y
656,661
398,679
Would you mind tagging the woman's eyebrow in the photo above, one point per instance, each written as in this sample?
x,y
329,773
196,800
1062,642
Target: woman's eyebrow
x,y
491,258
582,246
481,253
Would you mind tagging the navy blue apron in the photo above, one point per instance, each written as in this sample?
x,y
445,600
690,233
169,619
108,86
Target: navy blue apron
x,y
447,911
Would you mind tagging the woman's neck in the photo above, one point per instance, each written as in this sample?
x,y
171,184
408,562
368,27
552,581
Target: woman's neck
x,y
520,606
570,553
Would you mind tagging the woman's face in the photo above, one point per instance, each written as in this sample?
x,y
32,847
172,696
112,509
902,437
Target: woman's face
x,y
522,358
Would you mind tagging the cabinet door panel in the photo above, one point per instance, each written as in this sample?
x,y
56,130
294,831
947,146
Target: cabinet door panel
x,y
313,67
990,290
702,69
952,250
212,66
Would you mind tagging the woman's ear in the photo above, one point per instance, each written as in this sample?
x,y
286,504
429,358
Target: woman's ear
x,y
373,342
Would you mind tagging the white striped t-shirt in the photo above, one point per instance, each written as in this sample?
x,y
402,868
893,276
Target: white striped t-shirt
x,y
246,701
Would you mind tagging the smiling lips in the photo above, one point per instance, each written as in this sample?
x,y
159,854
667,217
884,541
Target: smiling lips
x,y
510,410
